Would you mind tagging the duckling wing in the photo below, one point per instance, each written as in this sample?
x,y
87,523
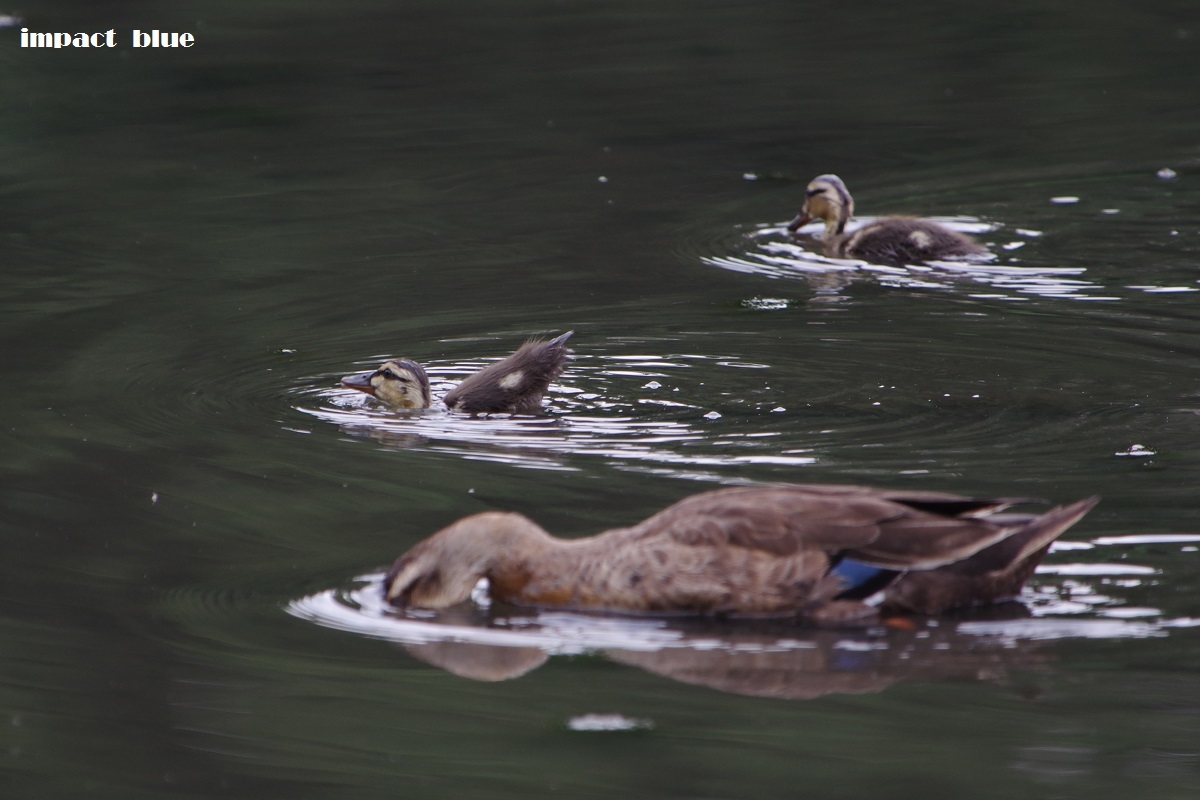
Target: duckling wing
x,y
876,527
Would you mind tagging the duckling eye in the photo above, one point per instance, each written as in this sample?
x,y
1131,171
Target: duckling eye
x,y
811,192
387,373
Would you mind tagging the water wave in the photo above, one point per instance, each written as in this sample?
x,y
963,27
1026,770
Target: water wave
x,y
769,251
627,409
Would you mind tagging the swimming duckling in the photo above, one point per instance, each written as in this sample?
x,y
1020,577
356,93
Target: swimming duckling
x,y
826,552
889,240
512,386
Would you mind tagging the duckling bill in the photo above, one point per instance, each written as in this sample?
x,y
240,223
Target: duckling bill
x,y
515,385
893,241
823,552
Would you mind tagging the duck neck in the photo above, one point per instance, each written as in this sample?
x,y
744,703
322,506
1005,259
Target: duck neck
x,y
528,566
503,547
836,225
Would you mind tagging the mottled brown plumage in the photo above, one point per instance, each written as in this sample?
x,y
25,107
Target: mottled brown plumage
x,y
888,240
827,552
515,385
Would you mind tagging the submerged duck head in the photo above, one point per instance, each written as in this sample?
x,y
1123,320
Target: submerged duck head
x,y
402,383
442,570
826,198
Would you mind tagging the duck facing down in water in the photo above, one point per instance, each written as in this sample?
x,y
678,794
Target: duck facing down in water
x,y
888,240
825,552
512,386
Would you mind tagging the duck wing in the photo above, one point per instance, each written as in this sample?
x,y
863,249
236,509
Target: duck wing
x,y
895,530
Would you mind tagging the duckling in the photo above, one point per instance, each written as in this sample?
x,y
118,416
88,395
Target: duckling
x,y
829,553
889,240
512,386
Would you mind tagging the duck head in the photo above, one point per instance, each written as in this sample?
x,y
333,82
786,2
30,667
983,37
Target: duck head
x,y
401,383
826,198
442,570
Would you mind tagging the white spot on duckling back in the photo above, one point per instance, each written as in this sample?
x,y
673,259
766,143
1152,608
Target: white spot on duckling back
x,y
512,380
921,239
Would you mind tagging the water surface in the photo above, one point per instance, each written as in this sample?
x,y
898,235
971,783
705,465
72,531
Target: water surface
x,y
197,244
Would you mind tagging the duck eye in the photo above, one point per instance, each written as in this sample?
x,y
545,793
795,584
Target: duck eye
x,y
812,192
387,373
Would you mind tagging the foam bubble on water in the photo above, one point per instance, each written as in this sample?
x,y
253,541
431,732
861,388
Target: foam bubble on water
x,y
608,722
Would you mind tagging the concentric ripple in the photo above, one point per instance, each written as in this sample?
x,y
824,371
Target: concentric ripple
x,y
627,409
827,393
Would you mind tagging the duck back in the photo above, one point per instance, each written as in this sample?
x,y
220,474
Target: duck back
x,y
516,384
897,241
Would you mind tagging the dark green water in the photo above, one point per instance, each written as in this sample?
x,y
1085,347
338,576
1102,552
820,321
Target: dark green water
x,y
195,244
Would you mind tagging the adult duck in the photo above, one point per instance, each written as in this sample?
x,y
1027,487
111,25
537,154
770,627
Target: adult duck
x,y
887,240
825,552
514,385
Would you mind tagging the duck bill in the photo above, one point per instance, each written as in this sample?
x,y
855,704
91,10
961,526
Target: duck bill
x,y
360,381
800,220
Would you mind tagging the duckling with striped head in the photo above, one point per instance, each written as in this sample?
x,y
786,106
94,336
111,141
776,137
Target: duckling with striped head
x,y
514,385
894,241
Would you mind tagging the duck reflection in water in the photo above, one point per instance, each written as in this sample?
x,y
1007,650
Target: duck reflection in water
x,y
894,241
515,385
830,554
766,658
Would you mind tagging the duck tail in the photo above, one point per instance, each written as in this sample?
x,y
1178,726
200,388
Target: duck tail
x,y
561,340
1045,528
994,573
